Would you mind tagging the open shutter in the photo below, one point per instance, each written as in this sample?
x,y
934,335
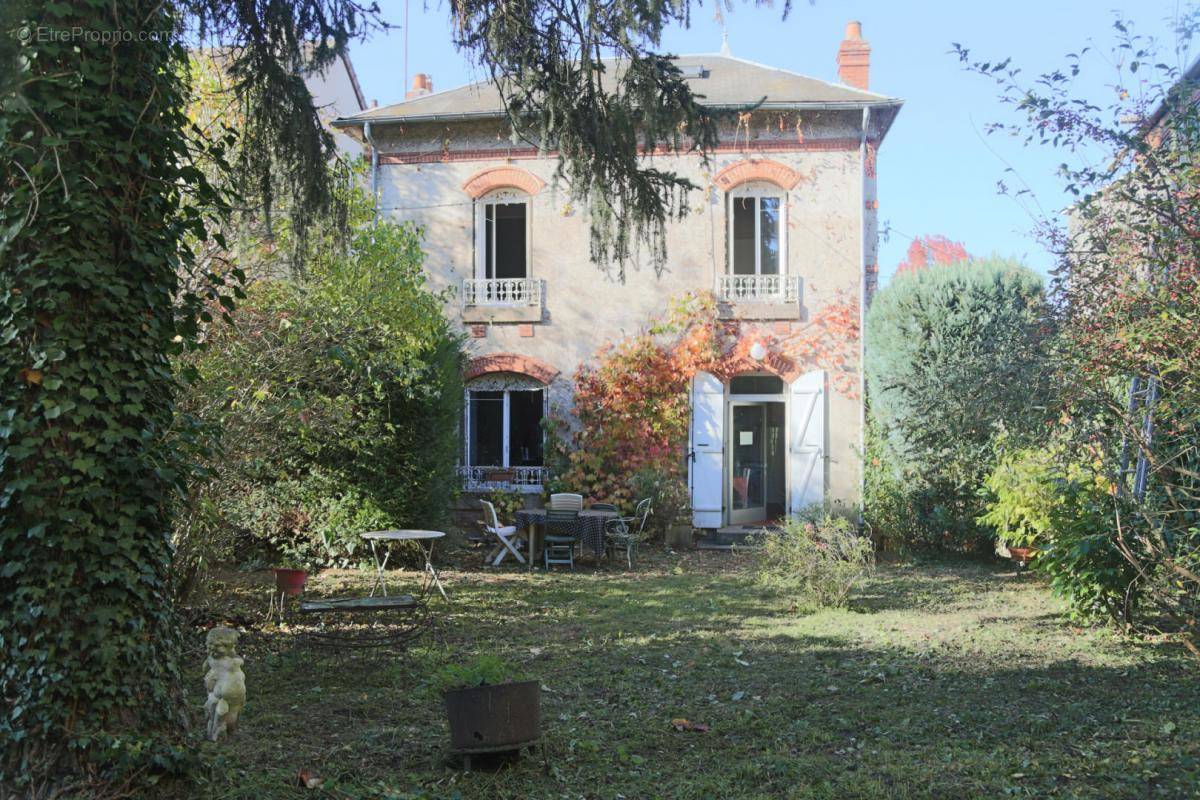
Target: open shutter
x,y
806,442
707,437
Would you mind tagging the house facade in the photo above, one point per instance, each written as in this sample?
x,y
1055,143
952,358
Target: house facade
x,y
783,233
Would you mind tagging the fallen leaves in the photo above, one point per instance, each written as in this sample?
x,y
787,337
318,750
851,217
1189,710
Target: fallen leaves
x,y
682,724
307,779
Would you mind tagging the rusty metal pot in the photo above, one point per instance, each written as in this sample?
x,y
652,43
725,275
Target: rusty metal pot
x,y
506,716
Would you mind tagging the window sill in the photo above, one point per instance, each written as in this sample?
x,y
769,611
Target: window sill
x,y
758,309
502,313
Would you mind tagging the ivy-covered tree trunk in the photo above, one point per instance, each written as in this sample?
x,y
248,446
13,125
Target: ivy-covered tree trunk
x,y
92,227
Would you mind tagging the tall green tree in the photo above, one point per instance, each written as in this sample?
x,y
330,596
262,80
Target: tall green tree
x,y
956,355
587,79
1127,290
102,205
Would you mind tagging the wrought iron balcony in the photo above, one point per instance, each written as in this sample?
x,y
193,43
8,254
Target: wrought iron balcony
x,y
486,479
501,292
759,288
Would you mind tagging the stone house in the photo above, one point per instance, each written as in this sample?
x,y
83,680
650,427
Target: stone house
x,y
784,233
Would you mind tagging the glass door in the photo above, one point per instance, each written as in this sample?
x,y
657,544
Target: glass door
x,y
747,463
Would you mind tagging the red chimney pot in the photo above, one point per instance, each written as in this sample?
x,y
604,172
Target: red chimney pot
x,y
854,58
422,84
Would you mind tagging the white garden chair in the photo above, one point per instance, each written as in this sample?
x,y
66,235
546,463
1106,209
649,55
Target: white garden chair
x,y
565,501
506,536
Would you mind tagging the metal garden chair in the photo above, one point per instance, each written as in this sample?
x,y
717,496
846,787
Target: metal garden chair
x,y
506,536
624,533
561,536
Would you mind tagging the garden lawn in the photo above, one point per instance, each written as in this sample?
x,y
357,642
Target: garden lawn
x,y
942,679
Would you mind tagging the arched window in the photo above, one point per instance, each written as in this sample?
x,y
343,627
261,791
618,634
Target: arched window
x,y
757,229
502,235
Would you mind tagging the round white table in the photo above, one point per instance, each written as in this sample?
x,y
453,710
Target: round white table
x,y
424,540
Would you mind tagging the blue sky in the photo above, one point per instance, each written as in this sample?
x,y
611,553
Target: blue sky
x,y
938,170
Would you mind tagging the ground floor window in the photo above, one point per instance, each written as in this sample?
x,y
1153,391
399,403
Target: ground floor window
x,y
504,427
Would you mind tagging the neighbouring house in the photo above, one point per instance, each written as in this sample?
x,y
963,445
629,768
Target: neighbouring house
x,y
785,231
336,94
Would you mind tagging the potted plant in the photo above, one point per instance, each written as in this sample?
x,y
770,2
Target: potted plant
x,y
290,578
501,475
489,707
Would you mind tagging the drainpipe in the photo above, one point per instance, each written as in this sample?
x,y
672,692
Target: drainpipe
x,y
862,315
374,169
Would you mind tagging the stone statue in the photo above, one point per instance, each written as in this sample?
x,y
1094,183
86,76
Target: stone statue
x,y
225,682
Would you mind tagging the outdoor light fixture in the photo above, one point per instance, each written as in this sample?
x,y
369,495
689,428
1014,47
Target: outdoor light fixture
x,y
758,351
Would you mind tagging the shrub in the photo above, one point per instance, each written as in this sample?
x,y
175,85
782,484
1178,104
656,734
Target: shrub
x,y
484,670
956,354
824,560
1042,499
668,495
333,404
507,503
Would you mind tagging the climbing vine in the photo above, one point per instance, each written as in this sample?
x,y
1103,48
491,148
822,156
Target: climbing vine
x,y
632,406
108,194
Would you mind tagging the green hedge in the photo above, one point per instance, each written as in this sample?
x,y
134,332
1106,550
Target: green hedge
x,y
955,354
336,402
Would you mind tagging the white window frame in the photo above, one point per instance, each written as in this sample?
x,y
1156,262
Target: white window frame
x,y
501,197
757,190
505,442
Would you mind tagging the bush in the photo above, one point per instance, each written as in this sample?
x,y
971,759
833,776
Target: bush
x,y
824,560
334,404
956,355
507,503
1042,499
668,495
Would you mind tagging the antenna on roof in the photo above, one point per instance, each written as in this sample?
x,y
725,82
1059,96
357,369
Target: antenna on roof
x,y
404,86
725,51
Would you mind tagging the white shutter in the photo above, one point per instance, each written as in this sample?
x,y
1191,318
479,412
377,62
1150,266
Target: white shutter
x,y
707,438
806,442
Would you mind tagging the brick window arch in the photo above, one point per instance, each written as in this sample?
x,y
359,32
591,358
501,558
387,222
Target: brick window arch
x,y
511,362
761,169
492,178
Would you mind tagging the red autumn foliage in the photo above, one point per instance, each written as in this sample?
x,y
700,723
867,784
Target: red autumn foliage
x,y
632,401
935,250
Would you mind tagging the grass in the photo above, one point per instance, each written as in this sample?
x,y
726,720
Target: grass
x,y
942,679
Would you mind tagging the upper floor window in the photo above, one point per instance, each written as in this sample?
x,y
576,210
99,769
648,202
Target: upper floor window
x,y
756,230
502,235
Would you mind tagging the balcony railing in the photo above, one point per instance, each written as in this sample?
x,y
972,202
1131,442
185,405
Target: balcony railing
x,y
759,288
501,292
485,479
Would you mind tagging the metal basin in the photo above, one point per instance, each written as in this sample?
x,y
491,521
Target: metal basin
x,y
484,719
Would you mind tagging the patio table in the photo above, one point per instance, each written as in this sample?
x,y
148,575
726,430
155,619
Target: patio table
x,y
589,527
424,540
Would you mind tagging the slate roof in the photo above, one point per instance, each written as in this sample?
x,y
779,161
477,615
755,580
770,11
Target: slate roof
x,y
727,82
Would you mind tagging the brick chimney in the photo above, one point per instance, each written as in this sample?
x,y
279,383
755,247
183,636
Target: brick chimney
x,y
854,57
422,84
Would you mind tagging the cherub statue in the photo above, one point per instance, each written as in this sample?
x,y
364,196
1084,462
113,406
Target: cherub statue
x,y
225,682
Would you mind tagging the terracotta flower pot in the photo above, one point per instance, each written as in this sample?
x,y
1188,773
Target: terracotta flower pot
x,y
1022,554
290,581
